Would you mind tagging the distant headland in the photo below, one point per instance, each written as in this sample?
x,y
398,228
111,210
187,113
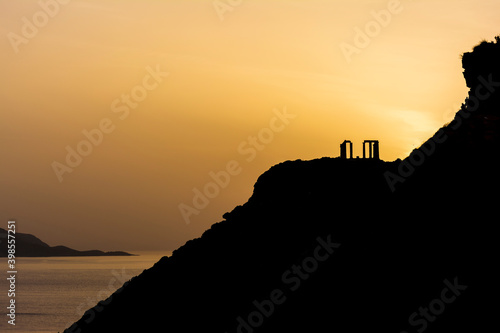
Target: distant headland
x,y
28,245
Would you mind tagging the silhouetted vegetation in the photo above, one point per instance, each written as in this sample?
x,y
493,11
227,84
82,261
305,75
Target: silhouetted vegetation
x,y
397,247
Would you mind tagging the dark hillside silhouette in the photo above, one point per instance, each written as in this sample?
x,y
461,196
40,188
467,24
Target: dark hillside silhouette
x,y
344,245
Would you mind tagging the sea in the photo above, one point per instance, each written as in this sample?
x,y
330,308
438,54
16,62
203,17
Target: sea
x,y
52,293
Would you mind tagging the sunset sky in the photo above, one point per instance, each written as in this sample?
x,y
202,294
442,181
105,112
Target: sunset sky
x,y
171,92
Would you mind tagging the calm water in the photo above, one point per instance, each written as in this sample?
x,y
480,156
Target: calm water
x,y
52,293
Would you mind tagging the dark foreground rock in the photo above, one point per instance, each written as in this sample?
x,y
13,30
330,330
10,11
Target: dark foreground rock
x,y
336,245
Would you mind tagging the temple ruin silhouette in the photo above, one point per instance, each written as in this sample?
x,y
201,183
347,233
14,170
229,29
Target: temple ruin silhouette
x,y
373,149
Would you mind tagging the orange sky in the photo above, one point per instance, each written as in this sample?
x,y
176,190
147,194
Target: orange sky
x,y
172,92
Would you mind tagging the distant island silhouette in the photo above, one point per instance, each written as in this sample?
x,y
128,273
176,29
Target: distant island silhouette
x,y
28,245
344,244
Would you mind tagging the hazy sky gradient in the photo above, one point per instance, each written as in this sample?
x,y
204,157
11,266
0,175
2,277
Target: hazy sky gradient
x,y
225,79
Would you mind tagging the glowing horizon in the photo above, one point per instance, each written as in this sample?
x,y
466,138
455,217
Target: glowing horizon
x,y
170,93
